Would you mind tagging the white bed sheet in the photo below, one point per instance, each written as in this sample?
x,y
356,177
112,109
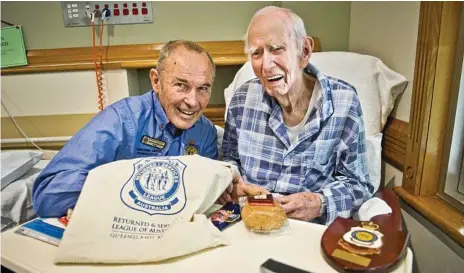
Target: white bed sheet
x,y
16,198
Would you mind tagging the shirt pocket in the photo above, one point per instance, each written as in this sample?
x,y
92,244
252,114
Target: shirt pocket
x,y
323,164
313,173
326,151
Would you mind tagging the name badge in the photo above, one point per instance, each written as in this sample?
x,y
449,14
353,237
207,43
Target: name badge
x,y
153,142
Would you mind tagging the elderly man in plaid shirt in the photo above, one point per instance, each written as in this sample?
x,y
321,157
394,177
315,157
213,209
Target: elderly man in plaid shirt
x,y
293,130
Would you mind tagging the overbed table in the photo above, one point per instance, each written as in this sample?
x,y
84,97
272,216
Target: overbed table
x,y
299,247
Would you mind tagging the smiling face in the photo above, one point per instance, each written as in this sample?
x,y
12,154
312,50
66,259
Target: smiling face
x,y
184,87
274,55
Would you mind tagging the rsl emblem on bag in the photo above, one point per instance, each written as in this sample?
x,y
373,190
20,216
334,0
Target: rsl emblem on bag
x,y
156,187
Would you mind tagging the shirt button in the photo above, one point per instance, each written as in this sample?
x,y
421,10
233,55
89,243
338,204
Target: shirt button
x,y
161,126
287,161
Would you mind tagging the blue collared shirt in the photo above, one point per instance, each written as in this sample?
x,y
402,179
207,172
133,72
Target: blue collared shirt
x,y
116,133
328,158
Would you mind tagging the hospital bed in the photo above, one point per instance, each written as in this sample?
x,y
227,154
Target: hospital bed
x,y
19,170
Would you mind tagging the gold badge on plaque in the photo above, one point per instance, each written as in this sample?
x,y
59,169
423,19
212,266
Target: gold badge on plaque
x,y
191,148
364,240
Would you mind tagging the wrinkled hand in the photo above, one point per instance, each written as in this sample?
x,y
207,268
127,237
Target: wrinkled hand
x,y
239,188
301,206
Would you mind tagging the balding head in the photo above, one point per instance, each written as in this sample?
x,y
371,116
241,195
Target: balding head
x,y
291,20
172,46
278,49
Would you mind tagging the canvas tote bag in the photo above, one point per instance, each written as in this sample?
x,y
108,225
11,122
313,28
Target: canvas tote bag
x,y
145,210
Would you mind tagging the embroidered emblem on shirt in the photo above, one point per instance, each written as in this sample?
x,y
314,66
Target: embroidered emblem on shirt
x,y
191,148
156,187
154,142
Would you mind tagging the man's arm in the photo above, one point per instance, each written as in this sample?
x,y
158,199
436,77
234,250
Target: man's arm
x,y
58,186
239,185
351,186
229,141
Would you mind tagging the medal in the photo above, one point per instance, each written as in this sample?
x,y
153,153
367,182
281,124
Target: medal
x,y
191,148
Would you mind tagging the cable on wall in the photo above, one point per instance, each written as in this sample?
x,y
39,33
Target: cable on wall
x,y
98,58
18,127
98,62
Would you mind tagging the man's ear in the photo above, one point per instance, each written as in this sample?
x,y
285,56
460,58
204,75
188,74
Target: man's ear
x,y
155,79
308,46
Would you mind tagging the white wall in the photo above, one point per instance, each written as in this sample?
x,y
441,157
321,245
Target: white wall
x,y
43,26
388,31
199,21
457,148
430,253
329,21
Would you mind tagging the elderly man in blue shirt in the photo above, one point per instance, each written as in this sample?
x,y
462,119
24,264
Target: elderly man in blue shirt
x,y
166,121
293,130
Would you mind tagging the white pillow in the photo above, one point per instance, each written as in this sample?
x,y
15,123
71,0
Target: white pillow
x,y
374,159
377,85
244,74
220,136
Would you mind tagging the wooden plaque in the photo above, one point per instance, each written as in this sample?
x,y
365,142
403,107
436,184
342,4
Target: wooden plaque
x,y
391,252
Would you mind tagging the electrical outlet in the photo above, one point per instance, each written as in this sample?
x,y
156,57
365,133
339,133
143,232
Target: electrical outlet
x,y
76,14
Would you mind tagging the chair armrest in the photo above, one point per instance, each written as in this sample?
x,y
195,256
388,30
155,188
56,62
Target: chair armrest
x,y
392,220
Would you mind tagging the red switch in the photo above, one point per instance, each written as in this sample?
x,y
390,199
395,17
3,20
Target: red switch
x,y
135,11
115,6
116,12
144,4
144,11
134,5
125,5
125,11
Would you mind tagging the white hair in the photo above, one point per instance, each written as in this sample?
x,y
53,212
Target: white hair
x,y
298,32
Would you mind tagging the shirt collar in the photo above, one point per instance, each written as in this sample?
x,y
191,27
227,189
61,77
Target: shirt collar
x,y
327,103
162,120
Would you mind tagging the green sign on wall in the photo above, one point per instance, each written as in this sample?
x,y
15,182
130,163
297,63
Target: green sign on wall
x,y
13,49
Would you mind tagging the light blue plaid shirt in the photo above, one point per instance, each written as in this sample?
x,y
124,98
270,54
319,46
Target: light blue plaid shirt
x,y
328,158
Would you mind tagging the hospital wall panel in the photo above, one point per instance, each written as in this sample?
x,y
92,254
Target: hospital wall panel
x,y
194,20
63,92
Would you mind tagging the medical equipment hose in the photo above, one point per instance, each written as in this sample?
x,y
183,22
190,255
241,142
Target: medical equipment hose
x,y
98,64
